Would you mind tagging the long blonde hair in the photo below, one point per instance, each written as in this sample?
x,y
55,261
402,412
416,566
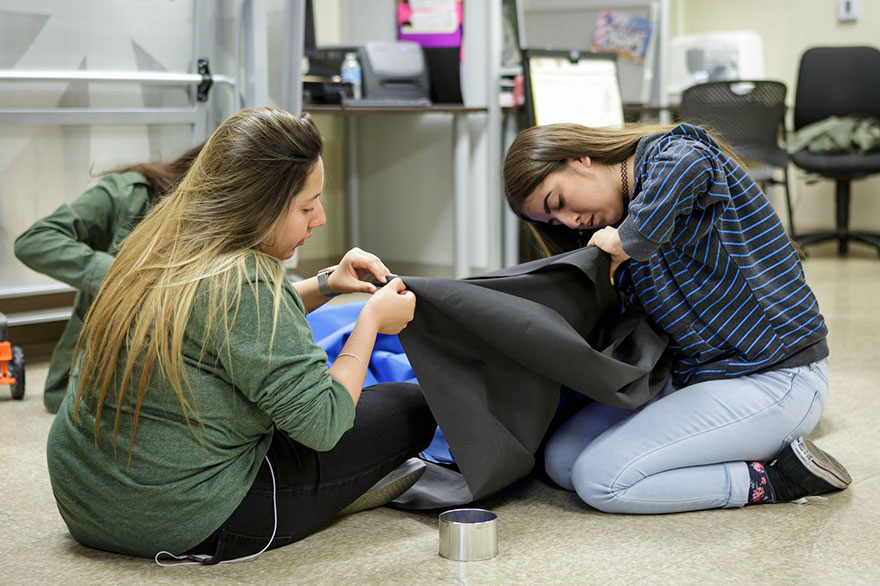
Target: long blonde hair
x,y
541,150
224,211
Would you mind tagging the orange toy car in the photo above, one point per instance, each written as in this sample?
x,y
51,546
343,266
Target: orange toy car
x,y
11,363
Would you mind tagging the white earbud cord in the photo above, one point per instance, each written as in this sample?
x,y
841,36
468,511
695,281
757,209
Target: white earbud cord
x,y
201,559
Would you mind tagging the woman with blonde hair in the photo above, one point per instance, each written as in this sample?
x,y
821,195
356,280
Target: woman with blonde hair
x,y
696,246
202,420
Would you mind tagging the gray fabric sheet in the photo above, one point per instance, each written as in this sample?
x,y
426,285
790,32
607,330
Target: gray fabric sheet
x,y
491,353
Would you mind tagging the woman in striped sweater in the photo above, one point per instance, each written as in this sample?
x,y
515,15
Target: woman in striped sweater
x,y
696,245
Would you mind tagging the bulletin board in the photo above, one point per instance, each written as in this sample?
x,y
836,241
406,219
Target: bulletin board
x,y
436,25
430,23
564,25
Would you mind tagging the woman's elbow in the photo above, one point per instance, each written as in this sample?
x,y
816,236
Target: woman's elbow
x,y
26,250
324,443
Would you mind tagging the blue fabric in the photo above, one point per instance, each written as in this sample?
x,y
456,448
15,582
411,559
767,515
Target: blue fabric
x,y
332,324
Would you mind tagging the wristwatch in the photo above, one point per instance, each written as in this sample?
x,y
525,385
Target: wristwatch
x,y
323,284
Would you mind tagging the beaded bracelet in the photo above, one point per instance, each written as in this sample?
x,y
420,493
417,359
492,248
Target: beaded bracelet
x,y
356,357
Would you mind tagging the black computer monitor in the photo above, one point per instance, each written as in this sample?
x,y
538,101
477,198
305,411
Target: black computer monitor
x,y
563,85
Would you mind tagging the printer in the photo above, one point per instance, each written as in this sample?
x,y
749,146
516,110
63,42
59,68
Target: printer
x,y
393,71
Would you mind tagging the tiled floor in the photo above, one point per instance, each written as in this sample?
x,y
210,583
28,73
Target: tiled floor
x,y
545,535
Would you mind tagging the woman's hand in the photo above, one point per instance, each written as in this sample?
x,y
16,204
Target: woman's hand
x,y
386,312
355,266
608,239
392,308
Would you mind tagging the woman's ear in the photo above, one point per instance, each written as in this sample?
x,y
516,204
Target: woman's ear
x,y
580,163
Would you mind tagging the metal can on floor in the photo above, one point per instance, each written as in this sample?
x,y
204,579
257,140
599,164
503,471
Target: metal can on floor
x,y
468,535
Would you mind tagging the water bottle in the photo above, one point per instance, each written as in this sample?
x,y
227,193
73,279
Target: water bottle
x,y
351,73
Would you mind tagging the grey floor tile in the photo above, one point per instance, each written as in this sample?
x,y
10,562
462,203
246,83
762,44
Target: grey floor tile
x,y
823,542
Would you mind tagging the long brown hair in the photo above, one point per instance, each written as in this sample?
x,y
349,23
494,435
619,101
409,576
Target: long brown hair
x,y
209,230
163,176
541,150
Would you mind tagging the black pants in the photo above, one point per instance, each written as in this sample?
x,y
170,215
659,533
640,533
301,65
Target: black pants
x,y
392,423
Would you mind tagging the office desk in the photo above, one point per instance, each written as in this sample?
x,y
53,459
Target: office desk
x,y
461,167
648,113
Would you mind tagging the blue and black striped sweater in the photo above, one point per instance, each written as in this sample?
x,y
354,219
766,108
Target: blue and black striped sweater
x,y
712,265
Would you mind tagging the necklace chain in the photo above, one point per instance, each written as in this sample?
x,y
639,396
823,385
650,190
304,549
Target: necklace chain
x,y
624,189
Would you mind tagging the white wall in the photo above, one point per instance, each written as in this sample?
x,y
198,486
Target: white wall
x,y
787,29
43,166
406,172
328,242
405,161
405,164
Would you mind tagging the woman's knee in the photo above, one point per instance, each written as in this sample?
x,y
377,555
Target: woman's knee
x,y
558,460
594,477
812,383
401,407
397,399
569,441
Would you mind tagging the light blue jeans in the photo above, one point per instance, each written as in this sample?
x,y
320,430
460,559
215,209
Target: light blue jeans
x,y
687,448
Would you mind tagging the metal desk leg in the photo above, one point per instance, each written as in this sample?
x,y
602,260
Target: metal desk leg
x,y
461,205
353,209
256,54
510,222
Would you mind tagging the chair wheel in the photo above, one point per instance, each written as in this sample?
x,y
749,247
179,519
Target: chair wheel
x,y
16,368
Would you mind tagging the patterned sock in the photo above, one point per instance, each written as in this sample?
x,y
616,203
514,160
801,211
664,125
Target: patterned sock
x,y
759,484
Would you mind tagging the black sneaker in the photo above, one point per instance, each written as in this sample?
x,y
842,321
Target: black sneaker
x,y
802,469
391,486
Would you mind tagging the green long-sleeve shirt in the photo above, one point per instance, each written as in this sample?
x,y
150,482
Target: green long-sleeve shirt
x,y
76,245
181,485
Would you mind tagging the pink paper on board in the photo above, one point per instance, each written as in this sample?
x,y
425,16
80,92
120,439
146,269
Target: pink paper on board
x,y
407,18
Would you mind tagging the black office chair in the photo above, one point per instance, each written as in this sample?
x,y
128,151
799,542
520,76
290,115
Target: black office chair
x,y
838,81
749,116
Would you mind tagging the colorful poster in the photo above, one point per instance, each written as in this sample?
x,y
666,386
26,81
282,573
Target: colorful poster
x,y
627,36
430,23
